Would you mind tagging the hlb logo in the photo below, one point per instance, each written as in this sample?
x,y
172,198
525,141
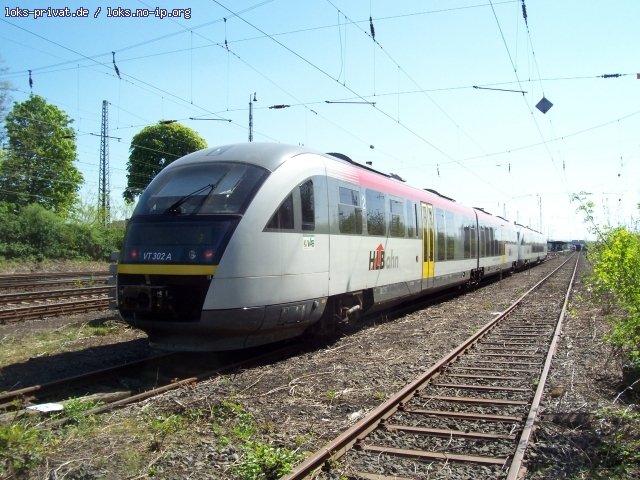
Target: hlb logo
x,y
378,260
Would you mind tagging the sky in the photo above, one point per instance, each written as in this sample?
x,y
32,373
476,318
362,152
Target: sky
x,y
442,93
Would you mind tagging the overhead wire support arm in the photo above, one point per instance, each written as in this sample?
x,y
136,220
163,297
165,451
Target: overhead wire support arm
x,y
212,119
499,89
352,102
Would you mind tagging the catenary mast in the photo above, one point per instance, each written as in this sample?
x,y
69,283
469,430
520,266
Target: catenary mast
x,y
103,176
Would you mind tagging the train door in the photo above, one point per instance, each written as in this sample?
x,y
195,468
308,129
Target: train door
x,y
428,246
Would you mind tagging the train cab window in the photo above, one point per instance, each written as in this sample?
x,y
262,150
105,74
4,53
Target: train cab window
x,y
396,222
376,224
307,204
349,211
283,218
222,188
297,211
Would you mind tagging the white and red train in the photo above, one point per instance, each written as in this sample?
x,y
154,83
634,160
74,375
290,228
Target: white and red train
x,y
242,245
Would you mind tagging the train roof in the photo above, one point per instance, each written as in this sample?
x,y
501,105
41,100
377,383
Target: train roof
x,y
272,155
266,155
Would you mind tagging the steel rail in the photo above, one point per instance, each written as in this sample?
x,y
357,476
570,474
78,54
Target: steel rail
x,y
345,441
44,284
525,437
38,311
28,394
278,353
48,294
8,278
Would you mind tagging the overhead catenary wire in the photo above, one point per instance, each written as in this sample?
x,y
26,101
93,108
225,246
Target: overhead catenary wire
x,y
227,44
326,74
304,99
515,71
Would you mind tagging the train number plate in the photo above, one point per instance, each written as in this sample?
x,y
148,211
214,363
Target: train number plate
x,y
156,256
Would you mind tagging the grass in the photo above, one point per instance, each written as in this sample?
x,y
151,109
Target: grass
x,y
260,461
163,427
8,266
266,462
21,447
606,448
618,457
75,408
33,344
24,442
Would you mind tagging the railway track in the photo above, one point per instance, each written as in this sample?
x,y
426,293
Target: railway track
x,y
75,282
474,409
9,280
28,296
17,298
120,385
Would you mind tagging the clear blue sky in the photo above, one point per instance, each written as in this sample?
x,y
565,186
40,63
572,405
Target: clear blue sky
x,y
487,147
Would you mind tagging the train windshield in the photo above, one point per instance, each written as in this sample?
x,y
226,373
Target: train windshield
x,y
220,188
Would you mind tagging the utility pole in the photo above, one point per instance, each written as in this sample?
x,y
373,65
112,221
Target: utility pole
x,y
251,115
540,206
104,209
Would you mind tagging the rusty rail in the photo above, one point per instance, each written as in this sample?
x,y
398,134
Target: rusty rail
x,y
39,311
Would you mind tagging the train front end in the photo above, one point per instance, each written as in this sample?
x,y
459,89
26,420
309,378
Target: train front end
x,y
175,239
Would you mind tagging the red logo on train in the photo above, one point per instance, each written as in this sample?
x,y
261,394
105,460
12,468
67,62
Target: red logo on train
x,y
378,260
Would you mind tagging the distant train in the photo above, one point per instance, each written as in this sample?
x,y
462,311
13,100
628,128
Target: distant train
x,y
243,245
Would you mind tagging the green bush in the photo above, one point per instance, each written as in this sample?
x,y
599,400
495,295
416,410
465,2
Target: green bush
x,y
266,462
35,233
616,263
21,447
615,281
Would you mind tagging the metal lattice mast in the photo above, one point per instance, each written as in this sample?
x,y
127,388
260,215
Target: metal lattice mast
x,y
104,190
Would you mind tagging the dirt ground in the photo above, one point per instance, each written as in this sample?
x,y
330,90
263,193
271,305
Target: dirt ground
x,y
213,429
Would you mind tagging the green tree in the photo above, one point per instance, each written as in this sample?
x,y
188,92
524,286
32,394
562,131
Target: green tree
x,y
5,87
155,147
38,167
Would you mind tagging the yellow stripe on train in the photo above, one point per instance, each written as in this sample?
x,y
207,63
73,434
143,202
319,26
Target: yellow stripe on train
x,y
146,269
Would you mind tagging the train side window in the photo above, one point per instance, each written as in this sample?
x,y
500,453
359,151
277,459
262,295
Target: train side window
x,y
375,213
283,218
451,236
441,230
467,242
412,219
396,222
307,203
349,211
482,241
490,243
474,240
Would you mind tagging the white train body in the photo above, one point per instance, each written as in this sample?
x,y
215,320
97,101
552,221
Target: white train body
x,y
247,244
